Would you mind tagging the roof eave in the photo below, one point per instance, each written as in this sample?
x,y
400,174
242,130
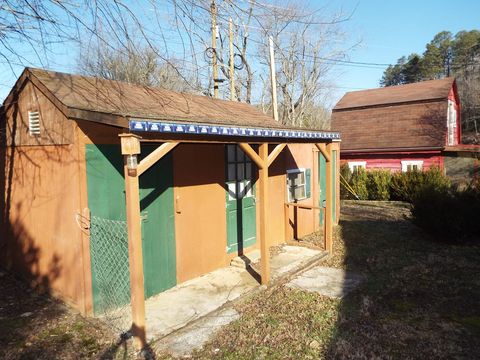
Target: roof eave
x,y
421,101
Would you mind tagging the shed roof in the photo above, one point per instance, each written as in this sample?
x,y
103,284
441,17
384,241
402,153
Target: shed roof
x,y
420,91
151,109
134,101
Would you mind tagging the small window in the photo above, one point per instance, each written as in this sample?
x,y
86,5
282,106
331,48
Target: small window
x,y
412,165
298,184
452,123
355,165
239,173
34,123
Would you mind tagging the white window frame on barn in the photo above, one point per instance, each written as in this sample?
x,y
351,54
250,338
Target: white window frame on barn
x,y
354,165
451,123
412,163
303,177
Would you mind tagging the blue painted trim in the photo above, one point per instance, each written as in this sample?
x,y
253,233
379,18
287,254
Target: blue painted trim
x,y
178,128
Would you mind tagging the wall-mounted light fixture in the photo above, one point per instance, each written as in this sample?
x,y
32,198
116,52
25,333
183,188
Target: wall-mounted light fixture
x,y
130,149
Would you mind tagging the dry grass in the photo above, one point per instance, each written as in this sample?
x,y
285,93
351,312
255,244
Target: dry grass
x,y
420,300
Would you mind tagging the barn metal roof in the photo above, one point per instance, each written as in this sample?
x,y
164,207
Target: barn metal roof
x,y
420,91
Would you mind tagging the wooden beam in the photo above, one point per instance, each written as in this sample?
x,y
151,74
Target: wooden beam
x,y
323,150
155,156
328,206
287,222
261,163
263,190
273,79
135,258
337,183
303,206
273,155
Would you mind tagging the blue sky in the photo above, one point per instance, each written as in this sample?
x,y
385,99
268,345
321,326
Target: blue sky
x,y
387,30
391,29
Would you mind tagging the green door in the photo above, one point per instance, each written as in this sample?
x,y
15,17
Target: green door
x,y
240,197
322,182
108,242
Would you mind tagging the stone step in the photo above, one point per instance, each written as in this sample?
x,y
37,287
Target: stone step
x,y
244,261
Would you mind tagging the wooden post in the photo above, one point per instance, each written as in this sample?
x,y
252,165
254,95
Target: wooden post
x,y
328,207
264,240
273,80
337,184
232,64
131,147
213,9
287,222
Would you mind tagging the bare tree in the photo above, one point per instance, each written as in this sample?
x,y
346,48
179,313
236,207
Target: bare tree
x,y
137,64
168,44
307,45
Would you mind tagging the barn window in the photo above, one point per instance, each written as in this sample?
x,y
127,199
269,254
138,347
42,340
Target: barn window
x,y
452,123
412,165
298,184
34,122
355,165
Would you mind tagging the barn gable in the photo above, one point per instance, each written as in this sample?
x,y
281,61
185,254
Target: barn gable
x,y
412,116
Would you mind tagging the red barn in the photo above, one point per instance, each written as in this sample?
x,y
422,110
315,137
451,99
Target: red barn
x,y
399,127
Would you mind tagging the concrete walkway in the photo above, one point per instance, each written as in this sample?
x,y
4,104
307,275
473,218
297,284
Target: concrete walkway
x,y
334,283
199,307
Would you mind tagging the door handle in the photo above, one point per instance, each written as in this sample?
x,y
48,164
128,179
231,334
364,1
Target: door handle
x,y
177,205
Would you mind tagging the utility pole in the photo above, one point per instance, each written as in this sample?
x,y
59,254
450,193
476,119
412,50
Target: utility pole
x,y
232,64
213,9
273,80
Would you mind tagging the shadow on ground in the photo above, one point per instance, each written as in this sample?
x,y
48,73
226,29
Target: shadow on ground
x,y
420,299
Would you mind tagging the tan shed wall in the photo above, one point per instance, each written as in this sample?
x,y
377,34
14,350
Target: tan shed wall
x,y
200,208
42,240
200,215
276,202
304,156
54,129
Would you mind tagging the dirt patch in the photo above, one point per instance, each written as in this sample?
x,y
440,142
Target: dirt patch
x,y
35,326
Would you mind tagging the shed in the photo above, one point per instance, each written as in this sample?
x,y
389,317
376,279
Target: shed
x,y
117,191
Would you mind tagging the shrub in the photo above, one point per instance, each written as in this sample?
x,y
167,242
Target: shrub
x,y
405,185
345,176
378,184
359,183
448,214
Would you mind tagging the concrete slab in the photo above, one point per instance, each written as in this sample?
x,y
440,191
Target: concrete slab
x,y
335,283
291,258
185,317
244,261
195,298
194,336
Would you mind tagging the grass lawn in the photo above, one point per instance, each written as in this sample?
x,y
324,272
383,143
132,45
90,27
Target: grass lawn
x,y
420,299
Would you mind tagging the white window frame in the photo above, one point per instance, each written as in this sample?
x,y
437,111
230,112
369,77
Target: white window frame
x,y
407,163
353,164
297,171
451,123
